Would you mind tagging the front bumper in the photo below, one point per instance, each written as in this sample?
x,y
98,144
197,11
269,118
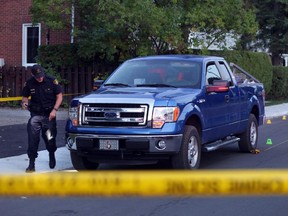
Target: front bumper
x,y
129,146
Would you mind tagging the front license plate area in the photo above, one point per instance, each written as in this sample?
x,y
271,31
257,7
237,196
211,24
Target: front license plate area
x,y
108,144
84,143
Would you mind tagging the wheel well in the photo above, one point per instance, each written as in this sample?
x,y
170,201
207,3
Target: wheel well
x,y
196,122
255,111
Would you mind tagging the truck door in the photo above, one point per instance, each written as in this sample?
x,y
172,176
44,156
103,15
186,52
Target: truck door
x,y
219,108
233,99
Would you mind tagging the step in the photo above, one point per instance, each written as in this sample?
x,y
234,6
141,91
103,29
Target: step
x,y
220,143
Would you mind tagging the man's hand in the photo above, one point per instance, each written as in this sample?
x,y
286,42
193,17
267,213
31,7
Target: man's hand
x,y
24,105
52,114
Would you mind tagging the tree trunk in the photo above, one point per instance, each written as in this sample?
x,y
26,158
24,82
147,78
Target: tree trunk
x,y
276,59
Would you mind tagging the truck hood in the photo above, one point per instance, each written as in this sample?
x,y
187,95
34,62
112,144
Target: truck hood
x,y
163,96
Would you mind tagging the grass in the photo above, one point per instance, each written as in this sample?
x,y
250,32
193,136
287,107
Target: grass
x,y
275,102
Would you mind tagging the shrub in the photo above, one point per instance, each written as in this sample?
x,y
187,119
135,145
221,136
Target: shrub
x,y
279,84
58,55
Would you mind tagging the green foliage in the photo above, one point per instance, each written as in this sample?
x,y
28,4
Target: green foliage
x,y
58,55
272,18
125,29
10,104
116,30
279,84
52,57
52,71
210,21
257,64
56,14
121,29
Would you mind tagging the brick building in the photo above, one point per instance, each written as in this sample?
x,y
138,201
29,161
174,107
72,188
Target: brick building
x,y
19,39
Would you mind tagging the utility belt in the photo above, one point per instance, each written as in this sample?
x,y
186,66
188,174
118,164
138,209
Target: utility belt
x,y
40,110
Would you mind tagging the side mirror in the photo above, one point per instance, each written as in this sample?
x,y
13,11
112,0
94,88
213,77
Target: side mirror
x,y
218,86
97,84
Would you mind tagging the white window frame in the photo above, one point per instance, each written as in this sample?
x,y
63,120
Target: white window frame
x,y
25,26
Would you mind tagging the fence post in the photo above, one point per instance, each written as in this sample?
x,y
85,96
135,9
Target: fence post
x,y
1,81
7,82
81,80
89,80
75,80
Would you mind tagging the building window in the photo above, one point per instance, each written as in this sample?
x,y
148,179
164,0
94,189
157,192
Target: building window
x,y
31,40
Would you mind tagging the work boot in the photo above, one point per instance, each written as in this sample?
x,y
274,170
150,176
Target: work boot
x,y
31,167
52,160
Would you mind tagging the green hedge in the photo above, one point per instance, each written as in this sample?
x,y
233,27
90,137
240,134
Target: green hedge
x,y
257,64
58,55
67,55
279,84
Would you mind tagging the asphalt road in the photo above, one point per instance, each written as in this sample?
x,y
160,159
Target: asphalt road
x,y
13,141
273,146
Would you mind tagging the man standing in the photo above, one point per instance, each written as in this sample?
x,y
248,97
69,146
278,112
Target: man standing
x,y
46,98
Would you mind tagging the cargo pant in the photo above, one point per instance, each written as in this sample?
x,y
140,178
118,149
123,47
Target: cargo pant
x,y
40,124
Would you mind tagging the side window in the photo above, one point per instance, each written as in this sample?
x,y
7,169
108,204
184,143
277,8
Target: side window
x,y
31,40
224,72
212,73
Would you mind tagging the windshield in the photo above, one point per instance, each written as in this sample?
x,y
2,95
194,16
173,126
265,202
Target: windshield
x,y
157,73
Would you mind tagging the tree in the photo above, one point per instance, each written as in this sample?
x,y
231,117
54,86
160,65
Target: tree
x,y
212,20
127,28
272,16
54,13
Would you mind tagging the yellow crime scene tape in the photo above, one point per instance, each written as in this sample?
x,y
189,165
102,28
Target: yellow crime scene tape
x,y
148,183
5,99
10,99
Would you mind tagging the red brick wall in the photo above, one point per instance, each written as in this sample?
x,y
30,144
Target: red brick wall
x,y
14,13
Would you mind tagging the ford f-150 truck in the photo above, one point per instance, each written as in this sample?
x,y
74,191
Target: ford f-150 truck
x,y
169,107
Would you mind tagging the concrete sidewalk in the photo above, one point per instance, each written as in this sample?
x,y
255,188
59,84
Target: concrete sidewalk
x,y
12,116
276,110
18,164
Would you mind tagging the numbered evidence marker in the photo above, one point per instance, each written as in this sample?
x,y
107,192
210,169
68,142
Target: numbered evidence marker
x,y
269,142
284,117
269,121
255,151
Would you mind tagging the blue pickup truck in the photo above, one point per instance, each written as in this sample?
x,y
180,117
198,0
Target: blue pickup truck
x,y
166,107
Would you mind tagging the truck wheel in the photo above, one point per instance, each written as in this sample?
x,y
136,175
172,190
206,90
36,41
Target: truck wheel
x,y
81,163
248,139
190,151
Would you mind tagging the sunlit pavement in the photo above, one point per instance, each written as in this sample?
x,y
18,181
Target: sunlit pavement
x,y
18,164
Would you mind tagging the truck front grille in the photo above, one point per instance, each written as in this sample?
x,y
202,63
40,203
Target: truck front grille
x,y
114,115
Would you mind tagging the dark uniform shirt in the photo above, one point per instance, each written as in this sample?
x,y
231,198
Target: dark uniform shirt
x,y
43,94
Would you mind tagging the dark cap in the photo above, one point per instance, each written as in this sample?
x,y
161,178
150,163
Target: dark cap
x,y
38,71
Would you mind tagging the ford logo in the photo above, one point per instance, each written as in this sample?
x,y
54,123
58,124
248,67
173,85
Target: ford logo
x,y
110,115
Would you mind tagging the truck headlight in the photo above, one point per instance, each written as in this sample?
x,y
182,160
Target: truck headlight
x,y
161,115
73,115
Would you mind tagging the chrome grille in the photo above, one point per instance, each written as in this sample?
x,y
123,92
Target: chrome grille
x,y
114,115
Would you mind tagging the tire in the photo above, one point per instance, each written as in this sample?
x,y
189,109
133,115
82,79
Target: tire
x,y
81,163
248,139
190,151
